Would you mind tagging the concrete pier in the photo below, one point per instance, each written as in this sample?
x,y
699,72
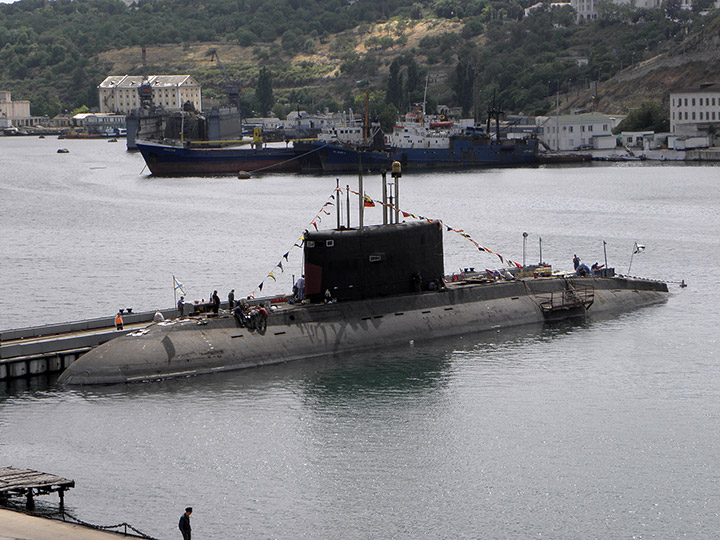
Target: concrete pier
x,y
38,350
16,525
31,351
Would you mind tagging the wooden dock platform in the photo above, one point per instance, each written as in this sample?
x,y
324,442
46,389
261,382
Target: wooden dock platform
x,y
28,483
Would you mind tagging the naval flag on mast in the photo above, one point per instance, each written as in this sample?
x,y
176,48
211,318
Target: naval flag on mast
x,y
178,286
639,248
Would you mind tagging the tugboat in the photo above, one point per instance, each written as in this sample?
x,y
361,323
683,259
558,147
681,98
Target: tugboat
x,y
365,287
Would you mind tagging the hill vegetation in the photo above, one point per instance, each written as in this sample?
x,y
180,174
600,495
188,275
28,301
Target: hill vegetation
x,y
326,54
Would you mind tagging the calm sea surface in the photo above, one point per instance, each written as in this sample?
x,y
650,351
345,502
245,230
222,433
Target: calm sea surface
x,y
603,429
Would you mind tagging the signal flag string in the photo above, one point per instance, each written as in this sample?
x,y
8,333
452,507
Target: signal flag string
x,y
332,200
299,242
461,232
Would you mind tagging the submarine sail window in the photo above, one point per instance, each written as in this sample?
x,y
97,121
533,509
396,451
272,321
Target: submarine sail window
x,y
329,243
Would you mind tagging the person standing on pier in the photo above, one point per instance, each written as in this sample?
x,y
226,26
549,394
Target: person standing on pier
x,y
184,523
181,303
118,321
215,302
231,299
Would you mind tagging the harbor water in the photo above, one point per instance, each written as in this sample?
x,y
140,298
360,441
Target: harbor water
x,y
600,429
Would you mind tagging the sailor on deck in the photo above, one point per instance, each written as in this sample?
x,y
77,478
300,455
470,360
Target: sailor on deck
x,y
300,285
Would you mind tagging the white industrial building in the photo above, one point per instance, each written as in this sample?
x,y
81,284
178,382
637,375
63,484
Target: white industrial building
x,y
119,93
16,114
578,131
693,110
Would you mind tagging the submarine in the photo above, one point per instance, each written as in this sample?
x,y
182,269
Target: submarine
x,y
365,287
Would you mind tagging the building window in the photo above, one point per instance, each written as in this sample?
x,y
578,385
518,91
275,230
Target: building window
x,y
693,115
686,102
589,128
713,101
570,129
701,102
686,115
713,114
605,127
693,102
701,115
673,115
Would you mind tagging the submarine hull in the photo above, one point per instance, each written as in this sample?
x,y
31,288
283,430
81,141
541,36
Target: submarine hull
x,y
193,346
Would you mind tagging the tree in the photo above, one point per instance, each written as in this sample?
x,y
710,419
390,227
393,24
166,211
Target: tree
x,y
388,116
413,77
394,93
463,84
650,116
264,92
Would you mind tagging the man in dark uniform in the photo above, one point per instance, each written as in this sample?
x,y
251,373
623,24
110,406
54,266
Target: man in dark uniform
x,y
215,302
184,524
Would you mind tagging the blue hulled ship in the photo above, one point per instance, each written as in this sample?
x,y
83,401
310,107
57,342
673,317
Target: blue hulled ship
x,y
418,142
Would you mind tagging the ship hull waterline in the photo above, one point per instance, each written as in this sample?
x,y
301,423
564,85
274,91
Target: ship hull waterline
x,y
163,160
192,346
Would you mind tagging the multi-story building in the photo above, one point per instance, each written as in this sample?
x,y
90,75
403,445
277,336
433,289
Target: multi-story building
x,y
119,93
693,110
578,131
16,113
587,9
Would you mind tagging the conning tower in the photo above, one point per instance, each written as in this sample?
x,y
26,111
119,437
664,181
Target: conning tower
x,y
374,261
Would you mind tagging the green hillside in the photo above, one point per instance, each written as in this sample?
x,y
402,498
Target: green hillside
x,y
325,54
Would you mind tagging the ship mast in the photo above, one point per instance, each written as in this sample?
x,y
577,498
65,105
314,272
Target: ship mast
x,y
427,78
366,123
494,112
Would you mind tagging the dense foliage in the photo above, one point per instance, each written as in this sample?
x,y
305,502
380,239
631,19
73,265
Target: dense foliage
x,y
51,48
650,116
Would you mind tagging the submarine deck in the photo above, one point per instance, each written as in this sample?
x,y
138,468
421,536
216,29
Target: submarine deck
x,y
193,346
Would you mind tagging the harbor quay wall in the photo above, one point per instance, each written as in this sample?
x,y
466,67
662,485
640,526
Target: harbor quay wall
x,y
702,155
29,351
